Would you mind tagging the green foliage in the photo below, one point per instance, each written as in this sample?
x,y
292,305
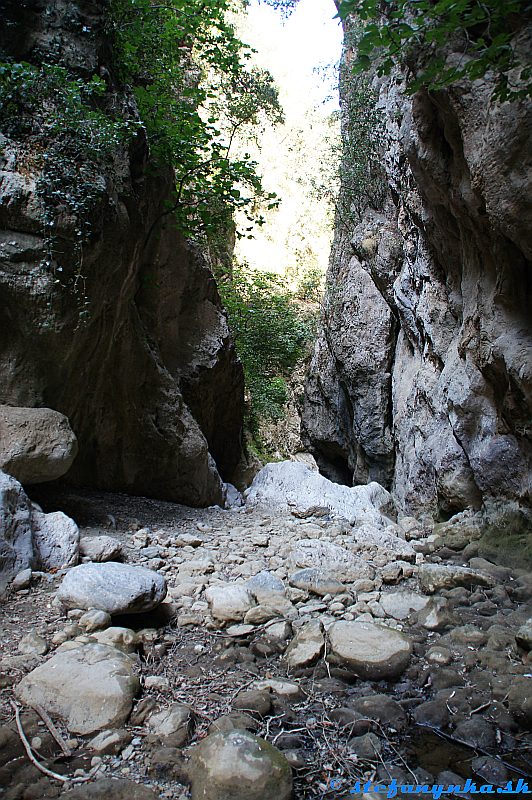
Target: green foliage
x,y
310,285
416,33
66,138
194,91
362,178
272,336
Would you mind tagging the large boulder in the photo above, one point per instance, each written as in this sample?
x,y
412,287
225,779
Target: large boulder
x,y
16,542
29,538
329,557
370,651
435,577
306,646
236,765
290,484
112,587
91,687
100,548
400,605
229,602
36,444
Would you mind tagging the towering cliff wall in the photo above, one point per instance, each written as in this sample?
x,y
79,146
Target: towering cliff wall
x,y
421,376
149,377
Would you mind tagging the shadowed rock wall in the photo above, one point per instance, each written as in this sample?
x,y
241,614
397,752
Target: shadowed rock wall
x,y
149,380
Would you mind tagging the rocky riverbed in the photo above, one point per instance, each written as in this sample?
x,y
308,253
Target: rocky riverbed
x,y
293,647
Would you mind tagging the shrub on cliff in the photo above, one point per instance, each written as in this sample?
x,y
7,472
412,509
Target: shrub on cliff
x,y
194,91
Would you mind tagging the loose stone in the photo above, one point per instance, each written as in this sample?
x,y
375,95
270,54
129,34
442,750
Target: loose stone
x,y
236,765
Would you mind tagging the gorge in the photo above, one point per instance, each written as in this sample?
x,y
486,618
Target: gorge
x,y
179,618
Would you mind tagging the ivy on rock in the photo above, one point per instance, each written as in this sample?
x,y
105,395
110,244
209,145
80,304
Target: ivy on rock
x,y
66,140
194,89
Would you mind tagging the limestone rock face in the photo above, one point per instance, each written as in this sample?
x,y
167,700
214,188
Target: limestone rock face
x,y
36,444
91,687
112,587
236,765
149,379
421,375
30,539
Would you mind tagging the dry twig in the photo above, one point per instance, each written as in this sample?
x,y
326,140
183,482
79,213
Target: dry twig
x,y
53,730
50,773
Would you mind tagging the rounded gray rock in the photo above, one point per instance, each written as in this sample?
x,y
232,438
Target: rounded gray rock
x,y
112,587
318,581
236,765
36,444
100,548
371,651
91,687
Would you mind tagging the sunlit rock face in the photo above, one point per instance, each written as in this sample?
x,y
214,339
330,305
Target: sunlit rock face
x,y
421,376
149,379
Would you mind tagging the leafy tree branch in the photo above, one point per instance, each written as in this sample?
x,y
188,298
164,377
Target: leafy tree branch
x,y
420,34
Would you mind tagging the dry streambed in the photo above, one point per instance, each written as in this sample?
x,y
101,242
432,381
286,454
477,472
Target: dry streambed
x,y
292,647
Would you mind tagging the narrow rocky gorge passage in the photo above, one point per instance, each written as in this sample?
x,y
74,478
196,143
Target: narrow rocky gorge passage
x,y
368,649
181,619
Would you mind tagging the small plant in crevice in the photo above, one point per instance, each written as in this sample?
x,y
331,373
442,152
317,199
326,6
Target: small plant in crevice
x,y
362,178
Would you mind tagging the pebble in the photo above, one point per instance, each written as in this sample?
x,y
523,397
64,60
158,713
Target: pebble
x,y
270,607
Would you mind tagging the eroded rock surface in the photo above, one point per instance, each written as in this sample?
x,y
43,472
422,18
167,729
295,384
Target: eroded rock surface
x,y
30,539
55,539
36,444
286,484
370,651
421,376
149,379
16,540
236,765
370,667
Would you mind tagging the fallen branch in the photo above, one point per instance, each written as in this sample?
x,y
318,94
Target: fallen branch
x,y
53,730
55,775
